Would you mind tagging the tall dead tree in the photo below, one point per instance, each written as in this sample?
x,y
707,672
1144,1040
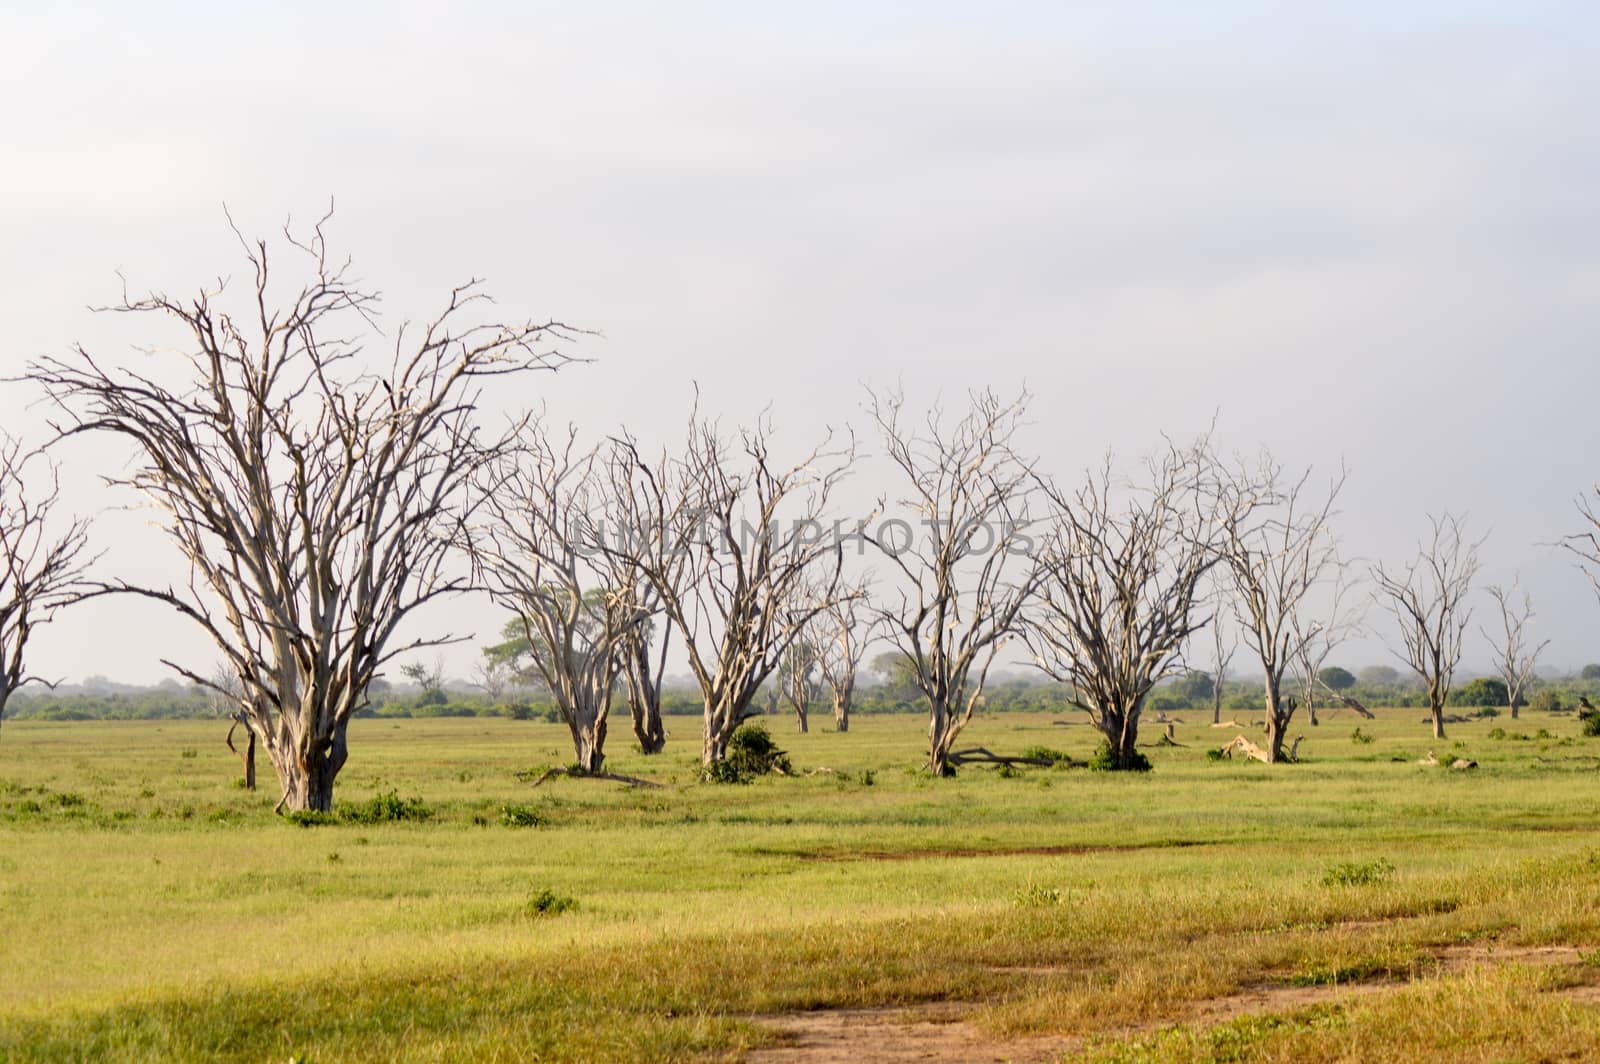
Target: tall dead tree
x,y
1338,622
840,646
1514,659
964,571
41,565
1427,597
1277,543
798,680
1123,568
313,491
733,545
535,551
644,663
1223,649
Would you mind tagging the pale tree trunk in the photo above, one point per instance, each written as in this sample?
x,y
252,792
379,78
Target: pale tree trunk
x,y
644,701
588,742
1278,717
841,707
307,774
722,718
1436,711
800,717
247,756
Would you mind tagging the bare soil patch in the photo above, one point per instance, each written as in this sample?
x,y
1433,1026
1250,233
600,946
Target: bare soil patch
x,y
926,1033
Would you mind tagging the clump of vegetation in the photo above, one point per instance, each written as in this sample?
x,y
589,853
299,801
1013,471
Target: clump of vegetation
x,y
546,902
1038,896
1546,700
751,753
1591,721
1056,758
521,816
385,808
1361,737
867,777
1105,760
1358,873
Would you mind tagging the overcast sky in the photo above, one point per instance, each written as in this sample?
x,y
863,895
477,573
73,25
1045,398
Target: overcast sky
x,y
1348,230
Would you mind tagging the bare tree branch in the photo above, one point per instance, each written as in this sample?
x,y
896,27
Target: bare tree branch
x,y
1428,599
316,502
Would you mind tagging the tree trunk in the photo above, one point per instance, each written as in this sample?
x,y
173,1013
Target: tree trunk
x,y
1278,716
307,776
800,716
587,723
644,703
247,756
942,732
721,720
1437,712
647,727
1514,697
841,711
1121,729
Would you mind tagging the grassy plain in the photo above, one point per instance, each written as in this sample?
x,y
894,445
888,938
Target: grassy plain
x,y
150,909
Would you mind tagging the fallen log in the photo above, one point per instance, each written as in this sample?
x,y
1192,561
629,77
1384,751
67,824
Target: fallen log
x,y
1250,749
579,774
982,756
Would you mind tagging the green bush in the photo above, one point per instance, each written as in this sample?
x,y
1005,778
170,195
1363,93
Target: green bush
x,y
1591,724
1358,873
1359,736
385,808
546,902
521,816
1105,760
751,753
1546,700
1487,691
1045,753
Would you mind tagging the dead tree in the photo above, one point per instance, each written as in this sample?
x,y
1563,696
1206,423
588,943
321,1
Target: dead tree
x,y
1428,600
1222,652
965,572
1122,576
41,565
1514,659
733,546
840,647
1277,544
534,550
797,678
1322,637
644,663
226,697
313,491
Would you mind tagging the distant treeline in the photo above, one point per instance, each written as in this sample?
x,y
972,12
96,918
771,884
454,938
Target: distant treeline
x,y
1189,693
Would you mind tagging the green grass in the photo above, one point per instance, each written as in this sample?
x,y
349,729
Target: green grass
x,y
150,909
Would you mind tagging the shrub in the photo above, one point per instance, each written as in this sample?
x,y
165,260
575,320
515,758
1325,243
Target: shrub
x,y
1591,724
1359,736
1358,873
1546,700
385,808
521,816
1038,896
1487,691
1045,753
1105,760
751,753
546,902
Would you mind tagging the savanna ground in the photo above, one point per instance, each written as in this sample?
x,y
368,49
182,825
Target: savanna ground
x,y
1356,906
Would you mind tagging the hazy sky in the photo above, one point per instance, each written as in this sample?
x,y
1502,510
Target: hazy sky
x,y
1349,230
